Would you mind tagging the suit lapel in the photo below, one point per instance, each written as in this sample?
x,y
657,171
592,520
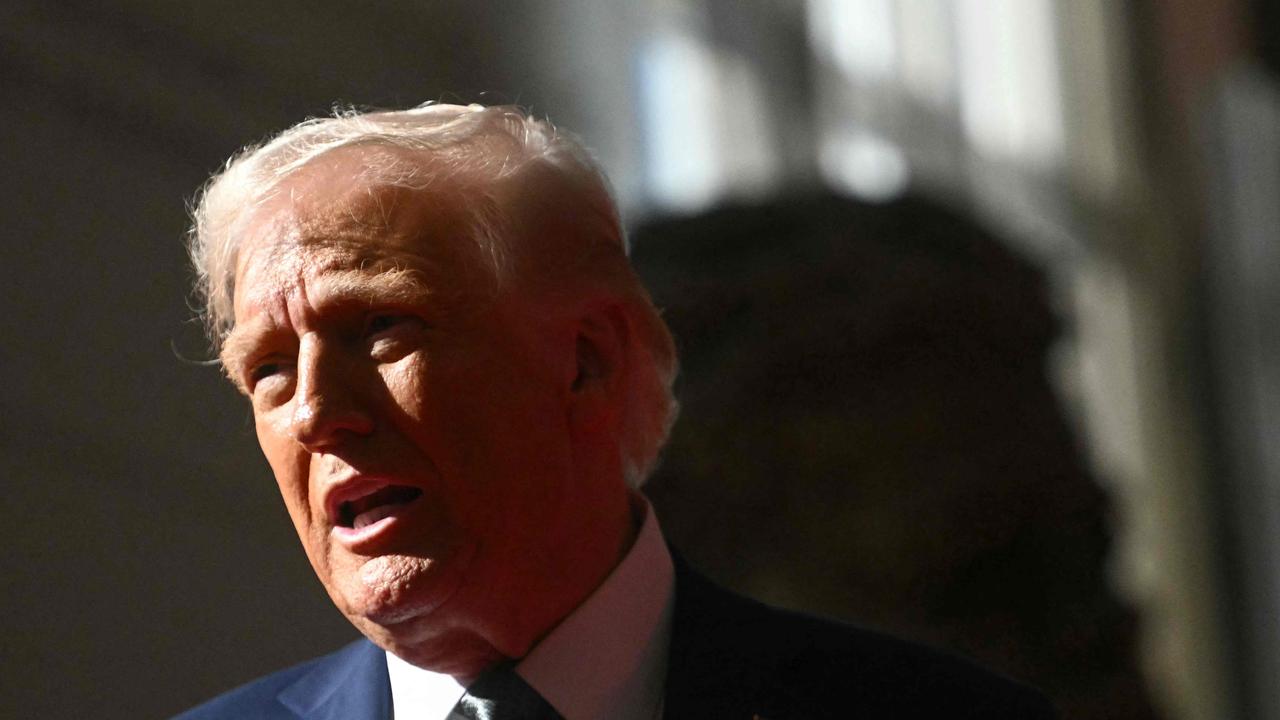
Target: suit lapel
x,y
713,671
351,684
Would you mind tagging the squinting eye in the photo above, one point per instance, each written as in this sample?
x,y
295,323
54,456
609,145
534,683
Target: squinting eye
x,y
398,325
392,337
263,372
382,323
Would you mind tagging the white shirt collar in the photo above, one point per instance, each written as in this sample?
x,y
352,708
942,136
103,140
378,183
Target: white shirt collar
x,y
418,694
606,659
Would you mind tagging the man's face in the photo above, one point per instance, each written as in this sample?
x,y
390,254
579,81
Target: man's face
x,y
416,418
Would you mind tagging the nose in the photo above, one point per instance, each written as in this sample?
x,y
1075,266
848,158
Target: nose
x,y
329,401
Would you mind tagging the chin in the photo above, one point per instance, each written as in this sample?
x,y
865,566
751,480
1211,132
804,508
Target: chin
x,y
391,590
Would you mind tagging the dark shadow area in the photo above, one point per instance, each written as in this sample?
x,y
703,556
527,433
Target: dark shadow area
x,y
868,432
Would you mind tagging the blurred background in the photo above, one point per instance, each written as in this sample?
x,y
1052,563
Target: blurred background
x,y
976,300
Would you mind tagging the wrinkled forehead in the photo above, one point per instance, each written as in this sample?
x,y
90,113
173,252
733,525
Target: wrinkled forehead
x,y
346,210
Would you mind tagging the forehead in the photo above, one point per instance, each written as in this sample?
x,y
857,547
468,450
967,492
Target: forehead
x,y
339,216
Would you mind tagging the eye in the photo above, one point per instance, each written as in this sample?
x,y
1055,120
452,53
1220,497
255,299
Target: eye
x,y
268,375
378,324
262,372
392,336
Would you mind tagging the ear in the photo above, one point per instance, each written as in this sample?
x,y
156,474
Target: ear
x,y
602,344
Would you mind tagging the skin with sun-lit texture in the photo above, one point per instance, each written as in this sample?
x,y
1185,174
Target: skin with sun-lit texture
x,y
435,437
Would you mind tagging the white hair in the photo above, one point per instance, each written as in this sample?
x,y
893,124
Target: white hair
x,y
477,151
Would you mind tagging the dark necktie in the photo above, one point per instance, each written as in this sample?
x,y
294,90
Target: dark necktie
x,y
501,694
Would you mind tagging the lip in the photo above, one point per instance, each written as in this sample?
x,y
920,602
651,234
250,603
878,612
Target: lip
x,y
349,489
365,539
358,539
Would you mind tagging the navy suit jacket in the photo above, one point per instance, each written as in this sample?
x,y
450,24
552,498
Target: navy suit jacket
x,y
731,657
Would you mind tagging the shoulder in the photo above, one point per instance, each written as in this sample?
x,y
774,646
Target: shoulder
x,y
260,698
795,665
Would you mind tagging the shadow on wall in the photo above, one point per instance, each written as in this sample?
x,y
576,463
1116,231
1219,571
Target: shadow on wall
x,y
868,433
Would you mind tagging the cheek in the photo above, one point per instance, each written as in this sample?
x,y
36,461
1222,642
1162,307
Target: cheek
x,y
406,383
291,469
416,409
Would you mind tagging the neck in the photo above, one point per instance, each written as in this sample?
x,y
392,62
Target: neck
x,y
494,627
585,564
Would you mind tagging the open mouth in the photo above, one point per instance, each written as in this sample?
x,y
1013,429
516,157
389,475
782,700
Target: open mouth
x,y
371,508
